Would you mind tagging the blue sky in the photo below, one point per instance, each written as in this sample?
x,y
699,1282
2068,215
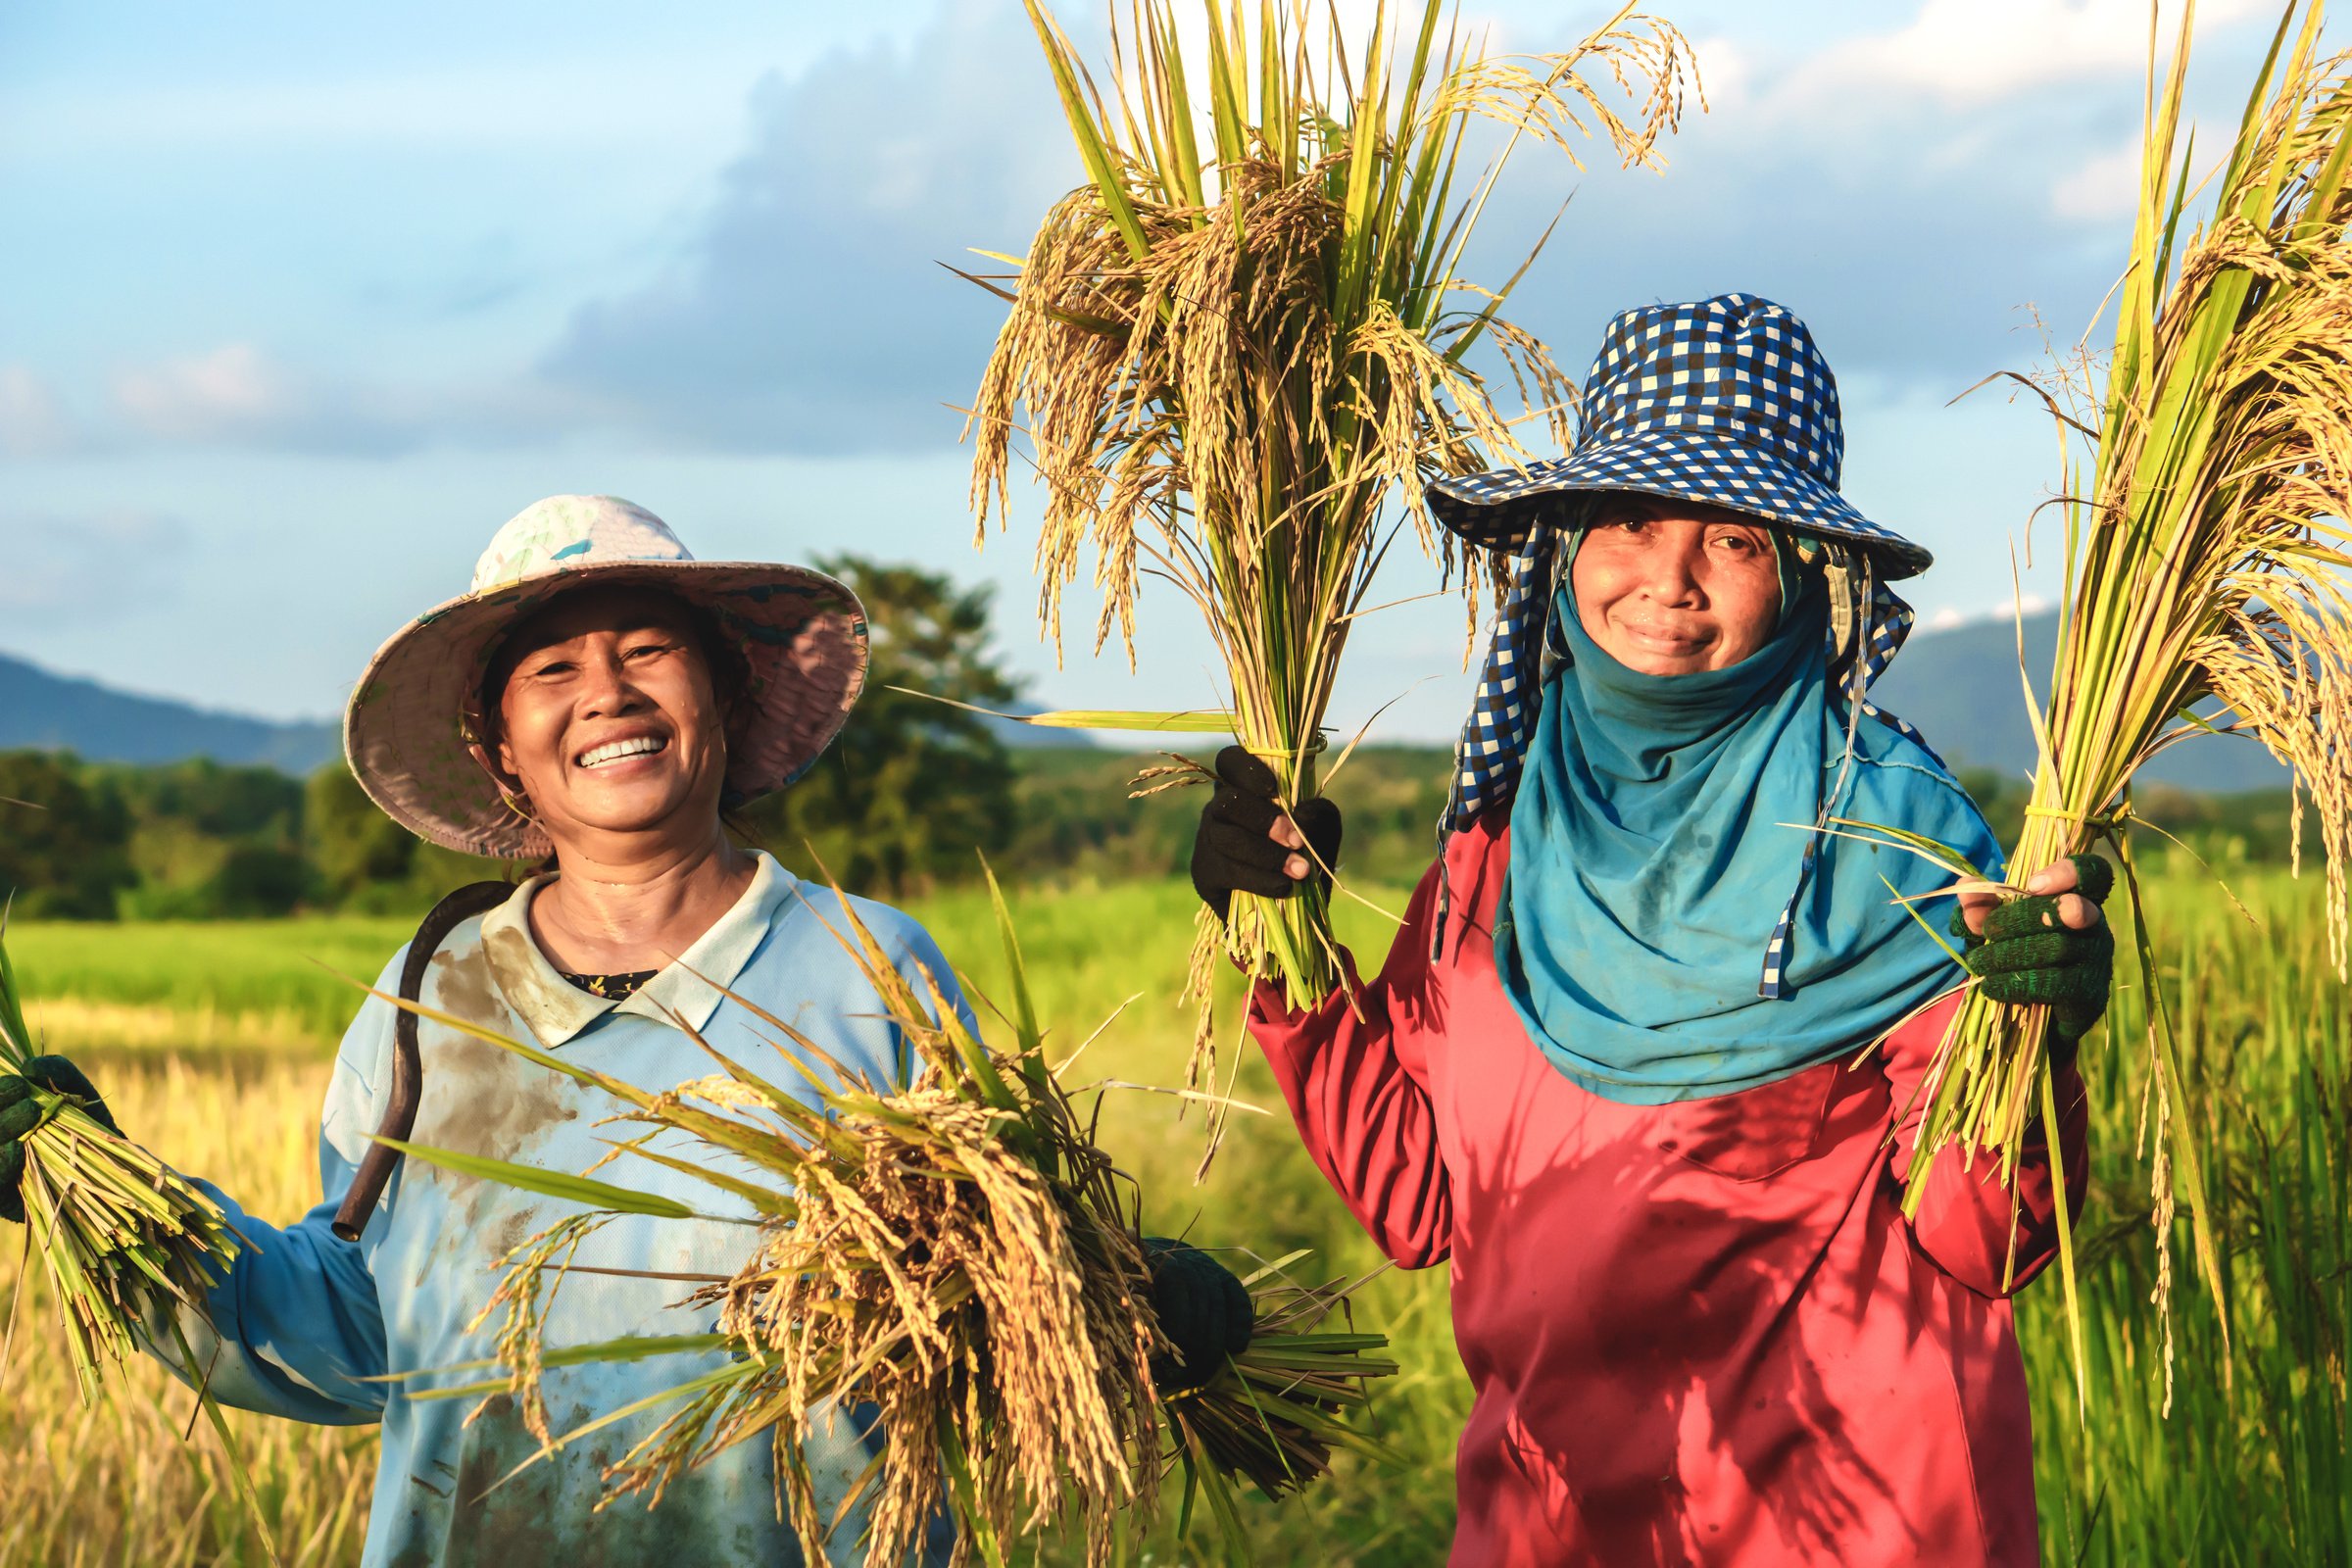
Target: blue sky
x,y
298,303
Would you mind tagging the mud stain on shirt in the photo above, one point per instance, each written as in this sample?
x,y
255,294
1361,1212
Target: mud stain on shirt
x,y
505,1518
517,1227
461,984
511,963
477,1098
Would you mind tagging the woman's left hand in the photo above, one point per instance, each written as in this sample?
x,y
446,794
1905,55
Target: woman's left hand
x,y
2050,948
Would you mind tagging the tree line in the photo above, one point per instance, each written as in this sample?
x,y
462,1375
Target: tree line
x,y
894,810
912,796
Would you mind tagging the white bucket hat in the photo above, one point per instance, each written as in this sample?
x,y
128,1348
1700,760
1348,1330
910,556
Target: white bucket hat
x,y
411,734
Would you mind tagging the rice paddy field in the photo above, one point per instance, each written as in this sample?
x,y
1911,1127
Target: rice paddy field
x,y
211,1043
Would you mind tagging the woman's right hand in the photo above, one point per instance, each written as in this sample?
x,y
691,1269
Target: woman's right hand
x,y
1247,844
2052,948
21,1112
1202,1308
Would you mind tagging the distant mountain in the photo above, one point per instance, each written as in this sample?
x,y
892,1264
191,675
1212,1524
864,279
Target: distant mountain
x,y
47,711
64,713
1960,686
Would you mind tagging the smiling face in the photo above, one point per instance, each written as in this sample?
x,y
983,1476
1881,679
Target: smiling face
x,y
1674,587
608,720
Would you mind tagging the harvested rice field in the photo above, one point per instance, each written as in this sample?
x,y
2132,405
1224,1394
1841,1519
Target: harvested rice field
x,y
211,1044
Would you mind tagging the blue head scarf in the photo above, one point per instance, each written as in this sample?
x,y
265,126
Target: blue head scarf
x,y
1649,854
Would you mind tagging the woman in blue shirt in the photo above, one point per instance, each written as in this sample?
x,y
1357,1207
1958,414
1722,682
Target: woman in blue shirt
x,y
591,703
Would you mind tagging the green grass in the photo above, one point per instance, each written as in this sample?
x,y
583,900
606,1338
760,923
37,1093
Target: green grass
x,y
2254,1464
260,968
2254,1470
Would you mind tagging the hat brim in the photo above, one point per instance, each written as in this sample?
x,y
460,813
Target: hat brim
x,y
802,635
1495,508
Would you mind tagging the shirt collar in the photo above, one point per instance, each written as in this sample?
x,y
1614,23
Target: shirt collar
x,y
686,991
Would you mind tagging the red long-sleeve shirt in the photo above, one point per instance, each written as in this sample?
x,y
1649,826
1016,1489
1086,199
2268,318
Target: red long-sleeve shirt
x,y
1700,1333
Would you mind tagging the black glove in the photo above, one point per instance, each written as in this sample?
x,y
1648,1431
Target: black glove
x,y
20,1113
1232,852
2026,956
1203,1307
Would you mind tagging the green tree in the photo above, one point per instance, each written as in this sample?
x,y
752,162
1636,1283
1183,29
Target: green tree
x,y
64,844
351,844
257,881
209,840
215,799
366,861
912,787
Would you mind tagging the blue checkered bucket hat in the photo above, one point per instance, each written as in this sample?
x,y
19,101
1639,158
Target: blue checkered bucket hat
x,y
1725,401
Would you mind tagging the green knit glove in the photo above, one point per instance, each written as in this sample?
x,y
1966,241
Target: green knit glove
x,y
2027,957
21,1112
1203,1307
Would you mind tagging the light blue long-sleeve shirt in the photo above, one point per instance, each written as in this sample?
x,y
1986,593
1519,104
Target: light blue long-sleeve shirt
x,y
308,1327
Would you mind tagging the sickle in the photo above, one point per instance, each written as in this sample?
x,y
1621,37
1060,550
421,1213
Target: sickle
x,y
408,1069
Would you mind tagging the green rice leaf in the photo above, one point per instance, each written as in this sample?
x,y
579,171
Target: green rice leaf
x,y
1080,113
585,1190
1191,722
16,1048
764,1200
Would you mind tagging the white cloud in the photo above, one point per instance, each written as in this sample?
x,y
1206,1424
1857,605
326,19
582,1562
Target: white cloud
x,y
33,423
2099,189
240,395
1727,69
559,104
808,312
71,569
805,310
1915,185
233,391
1974,52
1860,180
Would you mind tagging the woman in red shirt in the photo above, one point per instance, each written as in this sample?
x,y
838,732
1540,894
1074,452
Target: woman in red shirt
x,y
1619,1068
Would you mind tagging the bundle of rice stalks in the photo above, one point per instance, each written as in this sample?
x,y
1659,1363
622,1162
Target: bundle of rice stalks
x,y
121,1237
124,1242
958,1254
2204,562
1249,328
